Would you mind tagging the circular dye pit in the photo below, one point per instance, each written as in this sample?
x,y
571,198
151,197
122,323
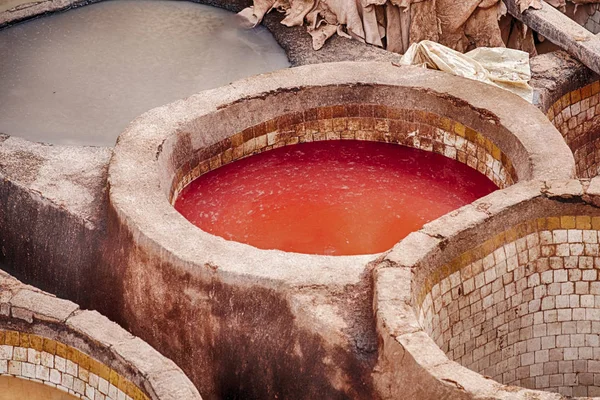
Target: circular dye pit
x,y
329,197
81,76
14,388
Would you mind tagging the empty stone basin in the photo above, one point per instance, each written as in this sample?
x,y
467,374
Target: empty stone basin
x,y
81,76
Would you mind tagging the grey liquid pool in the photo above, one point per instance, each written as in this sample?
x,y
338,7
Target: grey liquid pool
x,y
81,76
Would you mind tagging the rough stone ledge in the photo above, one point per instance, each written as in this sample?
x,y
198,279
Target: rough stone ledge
x,y
42,312
406,352
561,30
555,74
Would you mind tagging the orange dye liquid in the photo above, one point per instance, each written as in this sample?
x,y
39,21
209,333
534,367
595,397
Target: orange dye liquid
x,y
330,197
20,389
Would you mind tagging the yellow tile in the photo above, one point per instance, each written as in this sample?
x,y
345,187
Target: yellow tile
x,y
496,153
95,366
49,346
37,342
445,270
459,129
478,253
553,223
567,222
488,246
72,354
499,240
139,395
131,388
575,96
104,372
24,339
122,386
452,267
446,124
541,223
433,279
465,258
596,87
114,378
481,140
420,115
12,338
61,350
83,360
99,369
455,265
583,222
586,91
596,223
565,101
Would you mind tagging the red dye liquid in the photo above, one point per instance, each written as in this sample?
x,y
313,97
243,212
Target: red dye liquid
x,y
330,197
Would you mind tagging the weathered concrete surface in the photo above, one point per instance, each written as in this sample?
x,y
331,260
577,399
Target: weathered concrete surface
x,y
52,207
560,30
29,310
556,74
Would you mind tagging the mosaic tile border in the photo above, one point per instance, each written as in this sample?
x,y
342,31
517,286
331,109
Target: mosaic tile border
x,y
52,363
414,128
491,245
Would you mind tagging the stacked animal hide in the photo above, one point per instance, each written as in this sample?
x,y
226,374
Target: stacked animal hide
x,y
391,24
396,24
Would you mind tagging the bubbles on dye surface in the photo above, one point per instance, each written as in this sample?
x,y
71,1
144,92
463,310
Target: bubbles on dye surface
x,y
81,76
336,197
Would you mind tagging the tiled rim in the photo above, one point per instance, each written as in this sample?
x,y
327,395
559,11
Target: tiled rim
x,y
53,341
366,122
404,345
157,142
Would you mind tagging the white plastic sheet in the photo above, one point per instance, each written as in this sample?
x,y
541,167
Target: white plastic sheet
x,y
505,68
